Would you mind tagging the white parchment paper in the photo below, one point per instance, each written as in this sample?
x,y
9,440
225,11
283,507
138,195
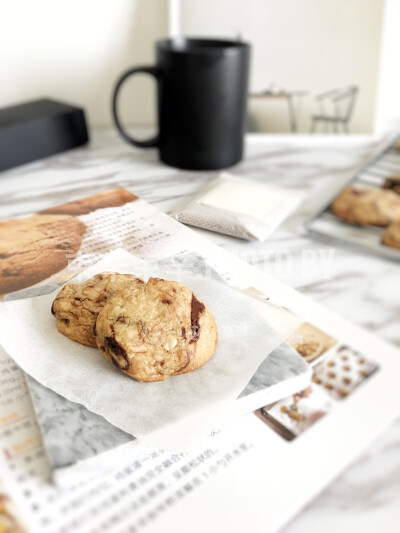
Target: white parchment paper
x,y
174,414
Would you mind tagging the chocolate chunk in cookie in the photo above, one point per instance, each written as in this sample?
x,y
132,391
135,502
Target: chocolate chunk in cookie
x,y
393,184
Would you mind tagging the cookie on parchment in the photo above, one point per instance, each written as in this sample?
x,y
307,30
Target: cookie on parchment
x,y
77,304
367,206
391,235
34,248
158,331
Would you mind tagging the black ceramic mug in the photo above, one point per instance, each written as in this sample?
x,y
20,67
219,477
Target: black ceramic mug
x,y
202,96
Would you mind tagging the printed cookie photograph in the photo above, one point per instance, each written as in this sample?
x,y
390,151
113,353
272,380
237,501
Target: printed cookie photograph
x,y
34,249
199,266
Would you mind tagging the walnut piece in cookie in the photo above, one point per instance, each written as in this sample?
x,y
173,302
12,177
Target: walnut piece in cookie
x,y
367,206
77,304
158,331
391,235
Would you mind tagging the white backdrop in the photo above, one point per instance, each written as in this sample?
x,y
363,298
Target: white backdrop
x,y
75,49
388,109
309,45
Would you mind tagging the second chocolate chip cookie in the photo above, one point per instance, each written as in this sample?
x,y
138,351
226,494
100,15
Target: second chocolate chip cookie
x,y
367,206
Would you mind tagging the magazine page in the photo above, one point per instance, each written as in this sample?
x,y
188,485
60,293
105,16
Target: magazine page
x,y
292,447
144,483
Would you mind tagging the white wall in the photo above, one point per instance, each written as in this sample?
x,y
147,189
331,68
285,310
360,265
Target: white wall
x,y
388,109
313,45
74,50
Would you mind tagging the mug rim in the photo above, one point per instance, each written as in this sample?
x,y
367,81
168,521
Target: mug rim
x,y
178,45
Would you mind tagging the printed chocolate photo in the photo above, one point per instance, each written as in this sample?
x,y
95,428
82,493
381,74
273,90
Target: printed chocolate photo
x,y
310,342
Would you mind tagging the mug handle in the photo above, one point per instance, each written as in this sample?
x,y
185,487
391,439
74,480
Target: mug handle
x,y
154,71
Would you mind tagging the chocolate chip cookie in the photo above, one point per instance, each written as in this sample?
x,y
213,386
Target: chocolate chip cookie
x,y
158,331
34,248
77,304
367,206
391,235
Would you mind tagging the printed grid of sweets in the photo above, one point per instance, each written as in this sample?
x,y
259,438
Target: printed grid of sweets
x,y
335,376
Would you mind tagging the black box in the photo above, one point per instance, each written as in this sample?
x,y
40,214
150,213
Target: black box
x,y
38,129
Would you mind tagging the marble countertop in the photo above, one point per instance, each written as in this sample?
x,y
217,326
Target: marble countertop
x,y
361,287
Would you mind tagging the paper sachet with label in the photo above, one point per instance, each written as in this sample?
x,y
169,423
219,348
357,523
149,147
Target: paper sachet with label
x,y
239,207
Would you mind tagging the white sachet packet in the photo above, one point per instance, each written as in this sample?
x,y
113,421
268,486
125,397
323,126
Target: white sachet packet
x,y
239,207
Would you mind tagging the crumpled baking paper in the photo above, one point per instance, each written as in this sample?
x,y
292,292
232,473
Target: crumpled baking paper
x,y
174,414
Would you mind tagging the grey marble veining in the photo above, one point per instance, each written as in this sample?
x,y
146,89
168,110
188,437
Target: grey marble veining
x,y
70,432
361,287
